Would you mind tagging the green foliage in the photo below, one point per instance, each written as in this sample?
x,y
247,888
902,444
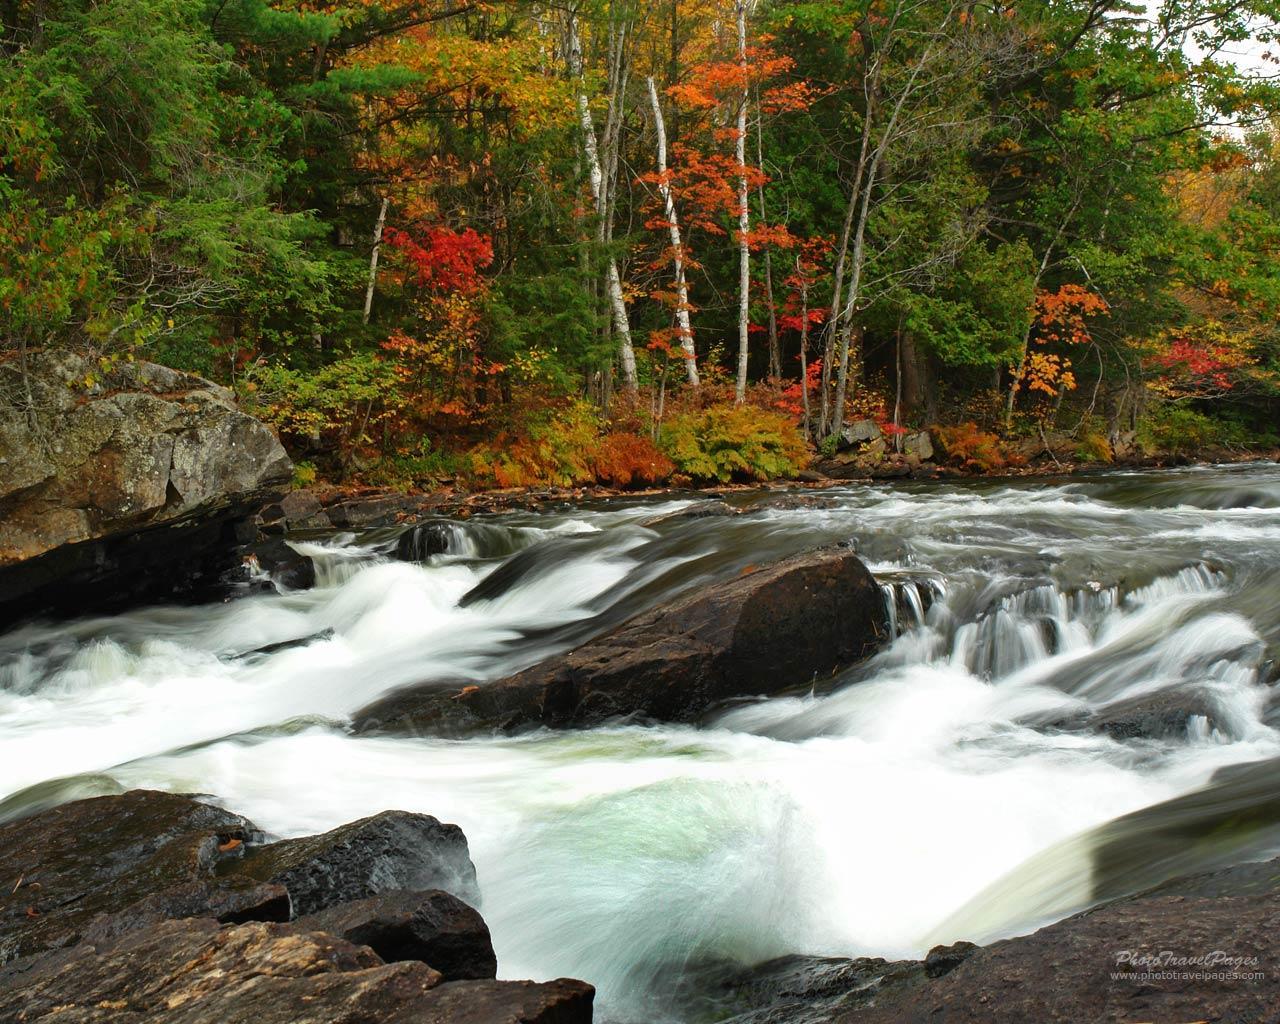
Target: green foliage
x,y
304,473
1093,446
1172,428
342,399
734,443
552,446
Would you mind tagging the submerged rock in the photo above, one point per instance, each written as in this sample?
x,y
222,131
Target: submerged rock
x,y
386,852
131,484
773,627
434,927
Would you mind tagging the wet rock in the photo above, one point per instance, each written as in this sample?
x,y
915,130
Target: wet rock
x,y
1089,967
793,502
64,867
771,628
420,542
1159,716
791,989
1168,714
135,487
225,903
194,972
286,567
812,476
710,509
942,960
386,852
563,1001
434,927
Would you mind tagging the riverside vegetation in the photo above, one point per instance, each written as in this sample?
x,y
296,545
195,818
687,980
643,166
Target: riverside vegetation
x,y
513,244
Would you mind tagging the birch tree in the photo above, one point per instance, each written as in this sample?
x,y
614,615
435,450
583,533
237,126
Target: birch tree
x,y
744,210
683,326
595,173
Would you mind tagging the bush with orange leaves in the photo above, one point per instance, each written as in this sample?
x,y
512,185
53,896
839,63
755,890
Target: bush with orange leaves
x,y
624,459
973,448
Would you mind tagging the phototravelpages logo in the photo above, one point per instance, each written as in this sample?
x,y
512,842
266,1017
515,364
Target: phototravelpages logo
x,y
1168,965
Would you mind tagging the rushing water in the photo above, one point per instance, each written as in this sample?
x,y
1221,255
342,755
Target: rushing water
x,y
955,787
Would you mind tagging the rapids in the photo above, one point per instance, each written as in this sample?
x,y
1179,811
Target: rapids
x,y
951,788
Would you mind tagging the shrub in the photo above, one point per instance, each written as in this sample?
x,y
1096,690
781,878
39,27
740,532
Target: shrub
x,y
304,474
554,446
1094,447
972,448
727,442
623,458
1176,428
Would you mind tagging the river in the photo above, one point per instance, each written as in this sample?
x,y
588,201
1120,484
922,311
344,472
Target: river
x,y
951,788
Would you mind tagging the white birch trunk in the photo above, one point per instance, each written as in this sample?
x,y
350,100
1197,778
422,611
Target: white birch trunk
x,y
744,214
373,259
684,328
617,303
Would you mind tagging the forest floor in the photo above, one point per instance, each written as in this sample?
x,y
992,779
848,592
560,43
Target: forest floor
x,y
358,501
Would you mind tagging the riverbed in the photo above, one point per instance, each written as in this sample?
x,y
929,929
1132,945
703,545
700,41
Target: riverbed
x,y
951,788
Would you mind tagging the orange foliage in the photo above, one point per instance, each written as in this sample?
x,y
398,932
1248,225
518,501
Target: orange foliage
x,y
623,459
973,448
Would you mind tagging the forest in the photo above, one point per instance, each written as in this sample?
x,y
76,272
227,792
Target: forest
x,y
516,243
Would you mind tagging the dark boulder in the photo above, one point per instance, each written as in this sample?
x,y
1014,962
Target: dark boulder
x,y
64,867
434,927
1158,716
284,565
135,486
386,852
771,628
420,542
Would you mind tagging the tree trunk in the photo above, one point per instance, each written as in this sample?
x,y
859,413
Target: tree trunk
x,y
373,259
684,328
833,320
744,214
775,353
617,304
911,374
804,348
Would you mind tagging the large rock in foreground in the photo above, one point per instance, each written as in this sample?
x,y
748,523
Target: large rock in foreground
x,y
98,867
145,907
121,485
193,972
774,627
